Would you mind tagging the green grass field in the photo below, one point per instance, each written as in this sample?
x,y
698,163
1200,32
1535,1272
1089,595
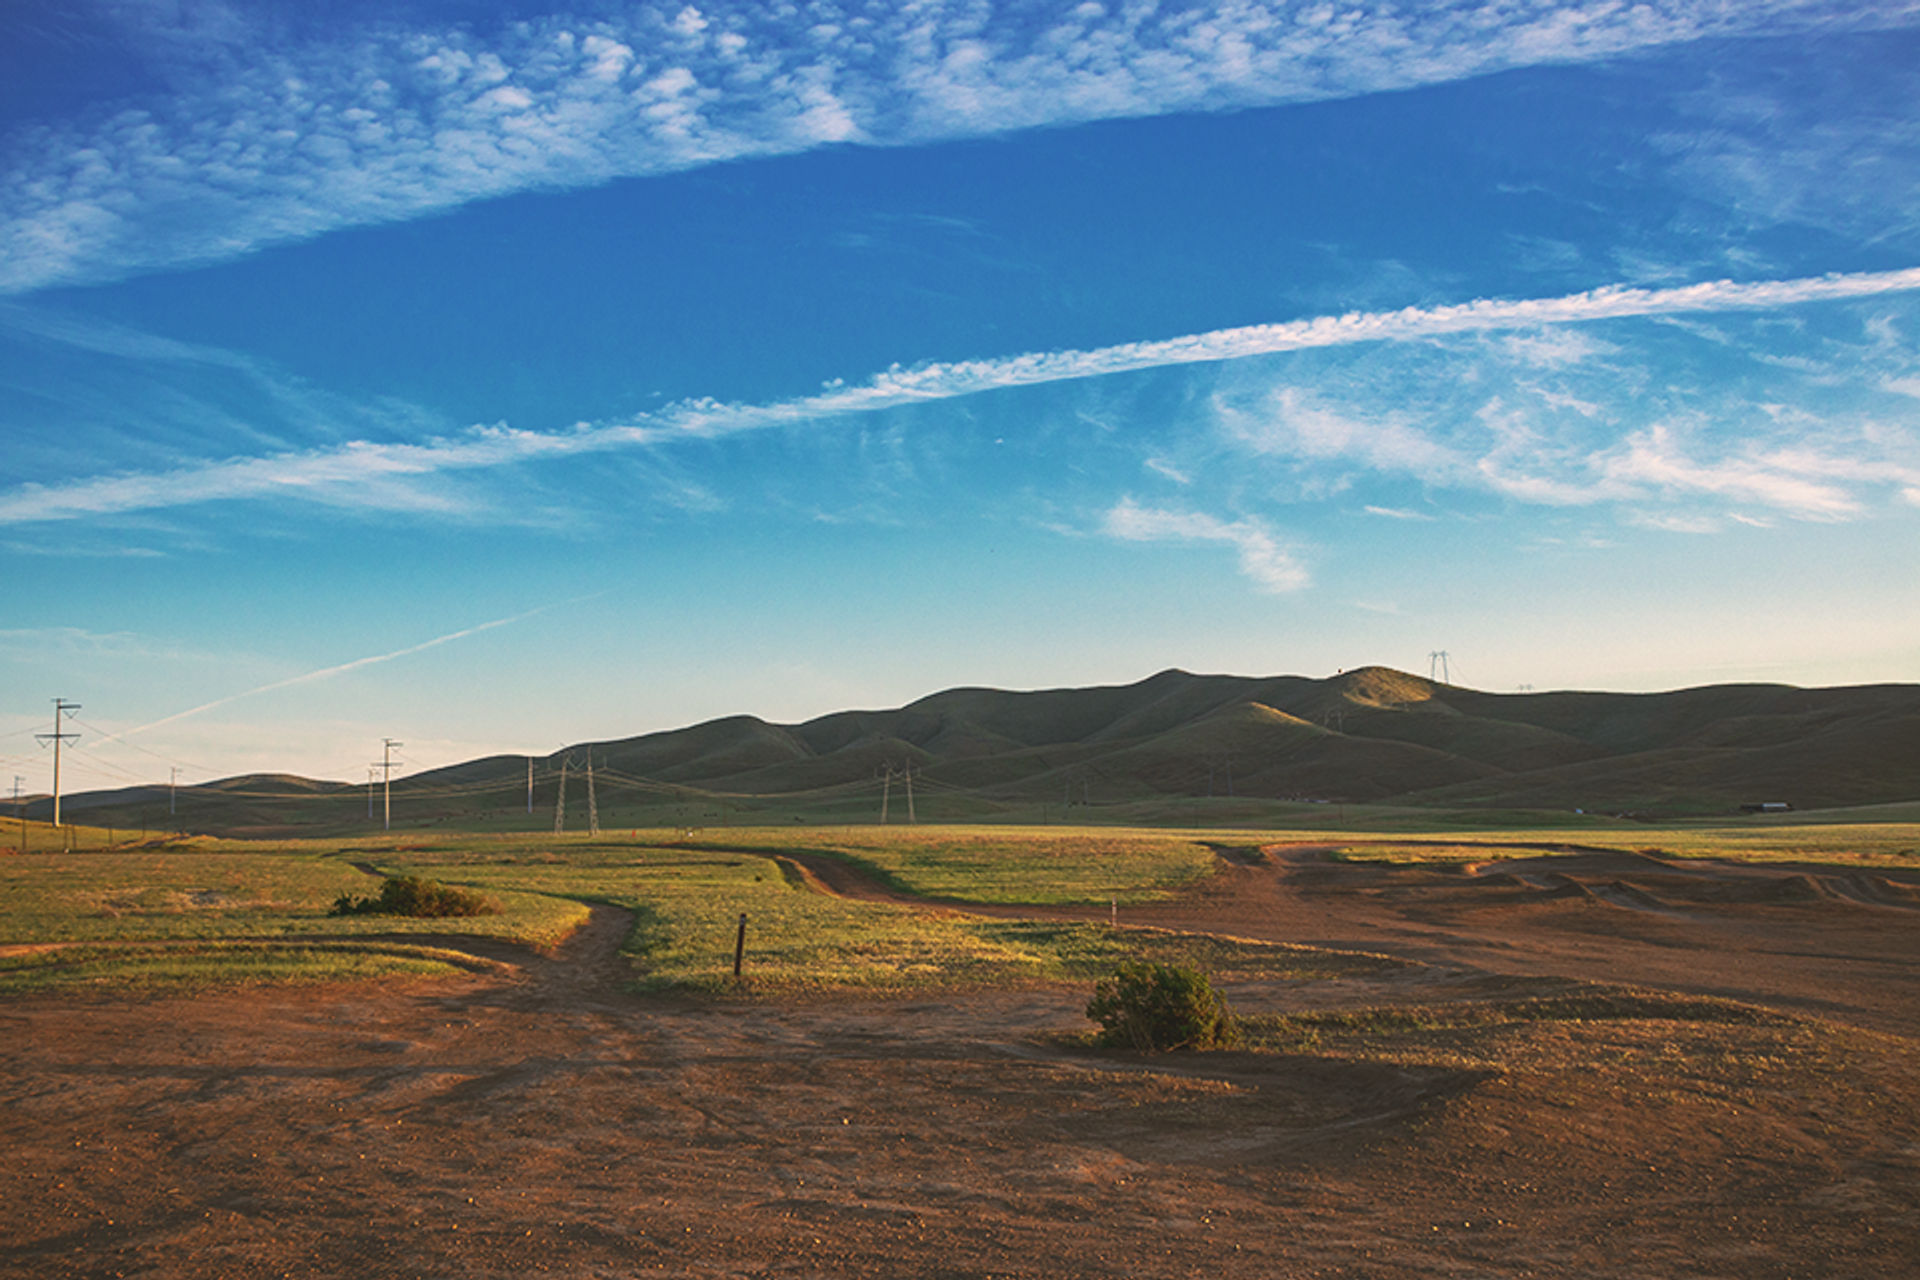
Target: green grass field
x,y
207,911
203,911
989,864
688,896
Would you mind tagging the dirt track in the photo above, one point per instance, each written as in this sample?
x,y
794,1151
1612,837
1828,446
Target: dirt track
x,y
546,1123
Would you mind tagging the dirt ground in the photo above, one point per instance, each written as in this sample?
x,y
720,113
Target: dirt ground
x,y
537,1121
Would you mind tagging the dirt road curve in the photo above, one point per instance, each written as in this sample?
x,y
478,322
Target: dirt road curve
x,y
545,1123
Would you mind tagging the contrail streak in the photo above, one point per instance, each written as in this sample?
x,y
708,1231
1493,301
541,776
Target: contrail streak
x,y
333,474
325,673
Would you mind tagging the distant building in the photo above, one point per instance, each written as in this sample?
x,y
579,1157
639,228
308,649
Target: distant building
x,y
1767,806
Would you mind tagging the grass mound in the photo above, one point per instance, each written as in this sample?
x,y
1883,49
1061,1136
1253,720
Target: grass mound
x,y
418,897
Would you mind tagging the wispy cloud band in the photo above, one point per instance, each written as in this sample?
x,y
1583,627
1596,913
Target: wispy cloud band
x,y
284,141
370,474
1272,567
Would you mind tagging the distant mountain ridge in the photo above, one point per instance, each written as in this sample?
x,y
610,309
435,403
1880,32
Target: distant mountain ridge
x,y
1371,735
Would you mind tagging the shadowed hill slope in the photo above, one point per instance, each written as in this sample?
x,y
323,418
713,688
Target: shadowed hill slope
x,y
1370,735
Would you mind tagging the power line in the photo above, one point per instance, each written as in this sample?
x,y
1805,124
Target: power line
x,y
103,738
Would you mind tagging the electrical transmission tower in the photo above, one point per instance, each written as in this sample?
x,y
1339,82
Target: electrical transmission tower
x,y
529,786
887,774
1437,667
593,809
560,801
61,708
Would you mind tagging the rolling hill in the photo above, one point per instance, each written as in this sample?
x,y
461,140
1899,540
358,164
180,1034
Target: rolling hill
x,y
1369,736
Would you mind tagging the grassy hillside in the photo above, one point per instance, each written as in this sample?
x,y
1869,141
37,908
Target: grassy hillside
x,y
1178,748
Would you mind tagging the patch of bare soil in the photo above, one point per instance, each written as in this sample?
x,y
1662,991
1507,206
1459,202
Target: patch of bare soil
x,y
546,1123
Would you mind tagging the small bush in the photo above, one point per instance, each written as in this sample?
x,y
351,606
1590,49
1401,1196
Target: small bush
x,y
1158,1007
413,896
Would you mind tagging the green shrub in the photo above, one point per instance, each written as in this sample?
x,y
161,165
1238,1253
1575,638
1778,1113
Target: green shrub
x,y
1157,1007
413,896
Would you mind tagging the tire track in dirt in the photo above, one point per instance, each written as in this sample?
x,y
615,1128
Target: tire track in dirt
x,y
585,964
837,878
586,968
1826,956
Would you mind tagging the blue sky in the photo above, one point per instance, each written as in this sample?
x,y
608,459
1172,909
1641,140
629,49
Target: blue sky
x,y
492,377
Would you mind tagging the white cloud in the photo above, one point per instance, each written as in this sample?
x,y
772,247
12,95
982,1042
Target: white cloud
x,y
173,390
1272,567
1397,513
1834,147
1160,466
1553,348
277,141
1293,424
362,473
1674,521
1651,460
14,548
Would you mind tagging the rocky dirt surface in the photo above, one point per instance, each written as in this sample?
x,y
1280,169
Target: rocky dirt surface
x,y
540,1121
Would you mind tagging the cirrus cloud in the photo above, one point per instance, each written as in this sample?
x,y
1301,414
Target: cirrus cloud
x,y
1272,567
272,139
367,474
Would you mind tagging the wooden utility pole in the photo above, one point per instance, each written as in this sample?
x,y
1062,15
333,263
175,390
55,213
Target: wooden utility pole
x,y
61,708
386,782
